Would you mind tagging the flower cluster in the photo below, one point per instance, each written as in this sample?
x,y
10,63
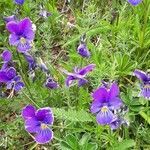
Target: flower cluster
x,y
106,104
8,74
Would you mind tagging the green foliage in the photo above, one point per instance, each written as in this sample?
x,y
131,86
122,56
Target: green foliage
x,y
124,145
72,142
72,115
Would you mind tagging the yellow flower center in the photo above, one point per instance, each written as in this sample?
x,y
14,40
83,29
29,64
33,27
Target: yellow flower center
x,y
147,86
104,109
43,126
22,40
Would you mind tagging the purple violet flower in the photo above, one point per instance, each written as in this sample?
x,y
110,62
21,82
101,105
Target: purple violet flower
x,y
10,18
19,2
145,83
7,75
79,75
11,79
51,84
83,51
105,101
37,122
21,35
134,2
15,84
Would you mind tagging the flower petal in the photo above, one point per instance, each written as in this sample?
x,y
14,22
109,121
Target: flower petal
x,y
95,106
146,92
12,27
25,25
19,2
45,115
83,51
104,118
114,91
81,82
28,112
87,69
3,76
134,2
141,75
14,39
69,80
24,47
32,125
51,84
11,73
6,55
115,124
100,95
44,136
115,103
18,86
28,34
10,18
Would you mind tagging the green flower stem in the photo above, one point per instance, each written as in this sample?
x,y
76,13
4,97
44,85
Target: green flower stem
x,y
34,146
26,83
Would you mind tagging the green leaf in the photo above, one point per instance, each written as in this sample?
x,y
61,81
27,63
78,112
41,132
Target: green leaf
x,y
72,115
84,139
124,145
145,116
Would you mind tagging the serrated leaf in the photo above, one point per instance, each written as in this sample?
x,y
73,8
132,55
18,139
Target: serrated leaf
x,y
72,115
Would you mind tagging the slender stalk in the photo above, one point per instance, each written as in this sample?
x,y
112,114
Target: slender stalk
x,y
31,100
26,84
34,146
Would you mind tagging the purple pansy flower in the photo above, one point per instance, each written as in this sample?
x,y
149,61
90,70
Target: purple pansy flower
x,y
11,79
21,35
51,84
7,75
79,75
10,18
15,84
37,122
105,101
145,83
83,51
134,2
19,2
